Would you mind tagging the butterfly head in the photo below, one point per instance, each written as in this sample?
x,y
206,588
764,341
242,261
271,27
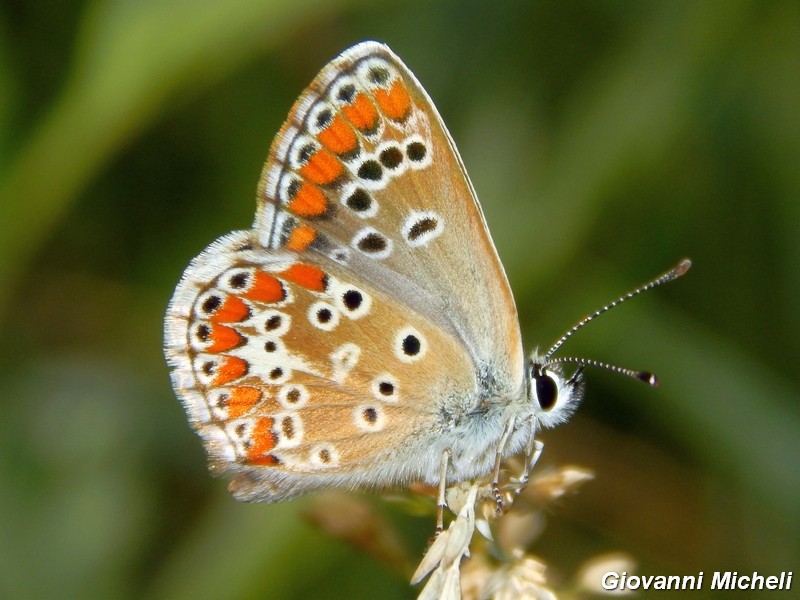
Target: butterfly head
x,y
555,395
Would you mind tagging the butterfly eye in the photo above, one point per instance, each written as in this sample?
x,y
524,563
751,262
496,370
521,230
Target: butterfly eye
x,y
546,390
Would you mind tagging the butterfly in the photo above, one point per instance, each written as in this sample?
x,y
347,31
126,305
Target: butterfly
x,y
362,334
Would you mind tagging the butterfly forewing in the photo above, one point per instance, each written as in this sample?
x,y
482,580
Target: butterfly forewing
x,y
365,311
365,172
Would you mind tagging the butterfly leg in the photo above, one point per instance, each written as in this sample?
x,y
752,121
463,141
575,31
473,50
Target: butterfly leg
x,y
441,502
498,459
532,454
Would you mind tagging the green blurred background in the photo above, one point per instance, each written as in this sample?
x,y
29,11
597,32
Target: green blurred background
x,y
606,140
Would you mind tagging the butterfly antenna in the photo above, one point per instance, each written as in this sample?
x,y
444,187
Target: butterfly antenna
x,y
675,272
645,376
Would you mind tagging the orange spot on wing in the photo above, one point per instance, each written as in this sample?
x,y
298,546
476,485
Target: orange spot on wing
x,y
394,102
322,168
241,400
265,460
307,276
301,238
223,338
230,368
232,310
338,137
262,441
265,288
309,201
361,113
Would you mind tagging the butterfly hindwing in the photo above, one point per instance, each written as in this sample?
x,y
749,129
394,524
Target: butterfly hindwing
x,y
292,373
